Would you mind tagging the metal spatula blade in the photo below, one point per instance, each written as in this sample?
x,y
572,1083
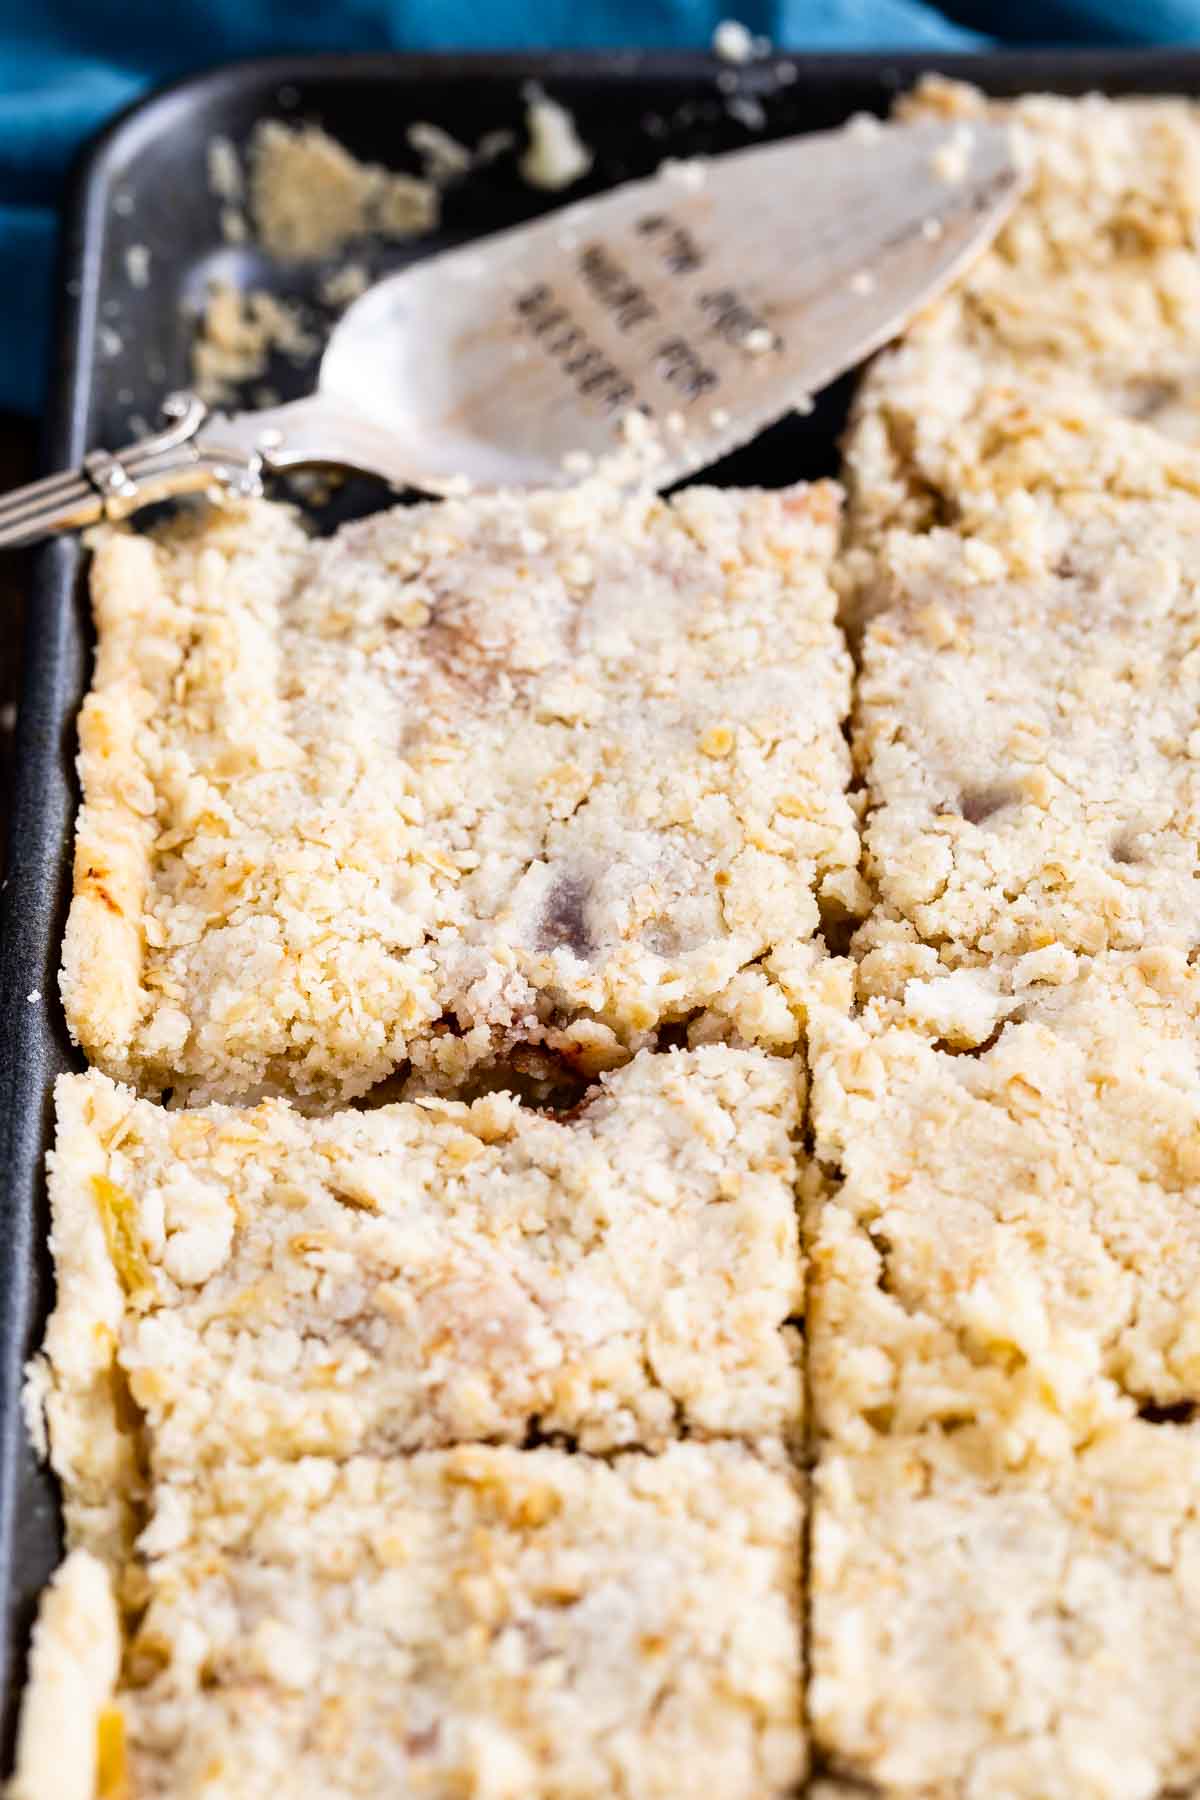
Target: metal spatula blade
x,y
713,298
701,304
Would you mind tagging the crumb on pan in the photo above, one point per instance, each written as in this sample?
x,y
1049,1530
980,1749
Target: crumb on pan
x,y
556,156
225,177
304,197
443,156
137,265
237,335
345,285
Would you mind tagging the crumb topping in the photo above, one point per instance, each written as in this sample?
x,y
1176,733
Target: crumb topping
x,y
561,768
428,1273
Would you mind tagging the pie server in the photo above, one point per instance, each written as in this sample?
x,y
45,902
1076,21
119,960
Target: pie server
x,y
679,315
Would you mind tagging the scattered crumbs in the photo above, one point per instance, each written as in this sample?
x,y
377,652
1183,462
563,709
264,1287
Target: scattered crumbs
x,y
785,74
864,128
728,81
123,203
747,111
125,396
733,42
636,454
443,158
109,341
225,171
804,404
684,172
341,287
309,196
404,207
492,145
932,229
137,265
951,160
557,155
718,418
758,341
234,228
238,333
33,996
675,422
863,283
315,487
654,125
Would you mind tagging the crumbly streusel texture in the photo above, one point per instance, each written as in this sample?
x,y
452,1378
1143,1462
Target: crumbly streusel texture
x,y
1013,1635
1003,1342
557,772
492,1623
551,768
1002,1600
1016,1239
1088,303
426,1274
1023,547
1028,728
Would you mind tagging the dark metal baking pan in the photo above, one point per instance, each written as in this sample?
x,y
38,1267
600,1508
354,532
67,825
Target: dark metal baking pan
x,y
120,348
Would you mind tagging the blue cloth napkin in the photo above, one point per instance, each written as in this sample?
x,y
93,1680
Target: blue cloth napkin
x,y
67,65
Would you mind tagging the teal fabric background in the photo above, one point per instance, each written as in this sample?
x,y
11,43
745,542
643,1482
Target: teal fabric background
x,y
67,65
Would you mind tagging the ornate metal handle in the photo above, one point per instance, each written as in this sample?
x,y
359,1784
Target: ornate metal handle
x,y
173,461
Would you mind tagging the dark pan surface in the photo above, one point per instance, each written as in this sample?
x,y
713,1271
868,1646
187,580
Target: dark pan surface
x,y
120,348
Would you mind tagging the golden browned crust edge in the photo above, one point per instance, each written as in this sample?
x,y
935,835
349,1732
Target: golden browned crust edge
x,y
101,977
